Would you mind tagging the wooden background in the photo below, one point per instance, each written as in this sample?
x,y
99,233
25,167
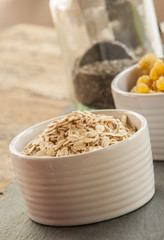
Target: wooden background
x,y
33,85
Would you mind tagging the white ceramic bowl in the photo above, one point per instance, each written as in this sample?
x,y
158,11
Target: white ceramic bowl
x,y
89,187
151,106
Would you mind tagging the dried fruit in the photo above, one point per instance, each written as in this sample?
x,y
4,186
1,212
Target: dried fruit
x,y
160,83
143,88
147,62
157,70
143,79
152,82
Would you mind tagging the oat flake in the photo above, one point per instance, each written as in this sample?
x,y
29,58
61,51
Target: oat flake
x,y
79,132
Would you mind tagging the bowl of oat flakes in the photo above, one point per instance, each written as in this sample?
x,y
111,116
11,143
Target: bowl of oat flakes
x,y
84,167
140,88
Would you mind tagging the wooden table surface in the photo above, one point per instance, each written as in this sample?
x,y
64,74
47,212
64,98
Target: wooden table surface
x,y
33,85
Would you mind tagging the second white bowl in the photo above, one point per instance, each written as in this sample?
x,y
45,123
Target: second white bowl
x,y
151,106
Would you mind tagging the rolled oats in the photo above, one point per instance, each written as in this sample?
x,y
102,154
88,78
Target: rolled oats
x,y
79,132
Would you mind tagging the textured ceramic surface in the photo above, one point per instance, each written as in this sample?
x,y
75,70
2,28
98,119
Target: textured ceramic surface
x,y
149,105
88,187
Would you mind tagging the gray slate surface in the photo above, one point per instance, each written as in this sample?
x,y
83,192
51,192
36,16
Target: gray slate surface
x,y
146,223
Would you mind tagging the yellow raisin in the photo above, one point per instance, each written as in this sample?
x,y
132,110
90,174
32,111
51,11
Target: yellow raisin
x,y
154,74
154,86
150,83
157,70
143,79
134,89
143,88
147,61
160,83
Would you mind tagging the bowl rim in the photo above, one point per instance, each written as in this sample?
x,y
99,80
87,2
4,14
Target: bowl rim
x,y
18,154
115,87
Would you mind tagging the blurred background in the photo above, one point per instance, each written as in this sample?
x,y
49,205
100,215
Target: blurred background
x,y
24,11
37,12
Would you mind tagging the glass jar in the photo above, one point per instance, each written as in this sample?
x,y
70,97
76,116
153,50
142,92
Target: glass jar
x,y
100,38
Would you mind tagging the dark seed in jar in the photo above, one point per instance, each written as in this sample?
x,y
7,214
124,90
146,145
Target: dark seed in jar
x,y
95,70
92,82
